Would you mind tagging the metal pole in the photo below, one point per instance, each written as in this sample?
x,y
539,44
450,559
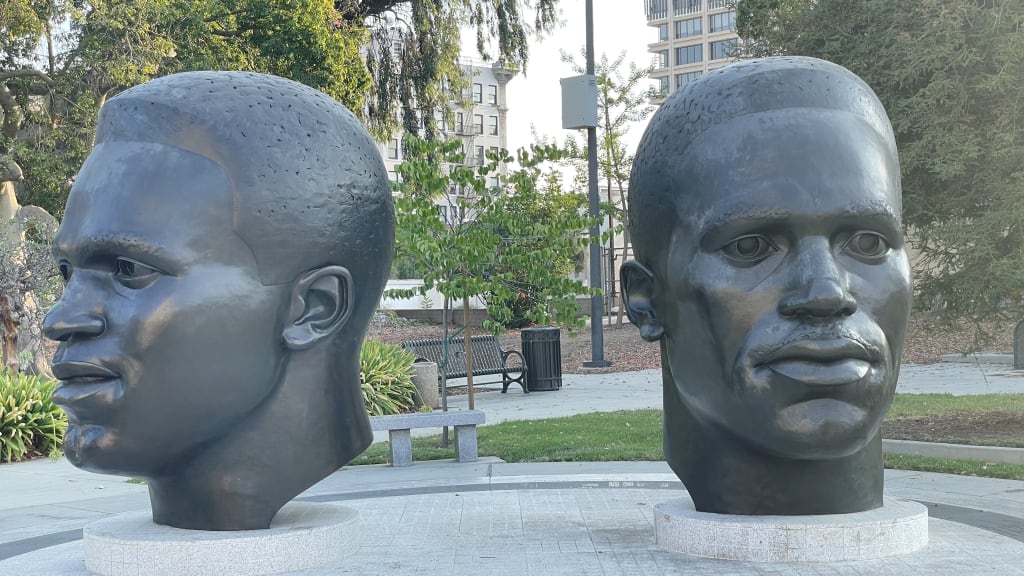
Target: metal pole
x,y
596,302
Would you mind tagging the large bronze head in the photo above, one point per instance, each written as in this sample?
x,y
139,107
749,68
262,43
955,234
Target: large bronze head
x,y
223,247
770,262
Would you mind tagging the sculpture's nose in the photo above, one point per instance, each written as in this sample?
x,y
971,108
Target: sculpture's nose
x,y
74,314
818,286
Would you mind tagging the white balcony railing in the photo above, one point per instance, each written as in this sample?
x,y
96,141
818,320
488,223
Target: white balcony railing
x,y
681,7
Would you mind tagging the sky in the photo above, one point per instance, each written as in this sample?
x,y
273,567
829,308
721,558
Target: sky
x,y
536,98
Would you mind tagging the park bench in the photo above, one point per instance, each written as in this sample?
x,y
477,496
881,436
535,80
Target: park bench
x,y
488,358
399,429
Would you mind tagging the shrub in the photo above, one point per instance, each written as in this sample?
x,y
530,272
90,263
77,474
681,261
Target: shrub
x,y
385,373
29,421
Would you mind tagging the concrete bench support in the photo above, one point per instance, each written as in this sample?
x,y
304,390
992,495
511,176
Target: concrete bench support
x,y
399,429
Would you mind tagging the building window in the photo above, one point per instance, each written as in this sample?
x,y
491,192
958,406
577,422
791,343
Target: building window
x,y
687,77
722,48
685,6
492,94
494,150
393,175
459,123
478,123
492,181
662,58
492,125
479,155
712,4
663,85
689,54
687,28
478,93
393,149
662,32
722,22
443,212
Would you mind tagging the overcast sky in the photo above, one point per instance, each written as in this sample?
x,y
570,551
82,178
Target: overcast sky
x,y
536,99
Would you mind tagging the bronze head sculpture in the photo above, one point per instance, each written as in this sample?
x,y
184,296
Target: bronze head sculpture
x,y
224,247
765,210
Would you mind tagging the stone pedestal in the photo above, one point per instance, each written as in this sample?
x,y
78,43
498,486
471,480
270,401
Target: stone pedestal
x,y
898,527
302,536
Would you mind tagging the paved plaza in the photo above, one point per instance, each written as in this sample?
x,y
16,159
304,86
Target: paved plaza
x,y
493,517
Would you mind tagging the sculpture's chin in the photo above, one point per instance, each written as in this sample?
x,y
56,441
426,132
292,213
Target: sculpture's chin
x,y
822,429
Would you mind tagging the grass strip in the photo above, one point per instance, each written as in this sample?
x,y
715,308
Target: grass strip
x,y
594,437
922,405
955,466
634,435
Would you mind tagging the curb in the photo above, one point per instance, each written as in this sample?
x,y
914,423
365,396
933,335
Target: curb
x,y
998,454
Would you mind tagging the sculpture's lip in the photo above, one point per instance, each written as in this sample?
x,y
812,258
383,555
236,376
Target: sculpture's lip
x,y
825,362
87,390
822,351
73,372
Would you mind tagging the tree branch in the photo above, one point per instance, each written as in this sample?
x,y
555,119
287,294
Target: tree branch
x,y
226,33
25,73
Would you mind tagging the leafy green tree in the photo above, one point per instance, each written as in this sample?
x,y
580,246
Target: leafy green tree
x,y
949,73
505,242
393,61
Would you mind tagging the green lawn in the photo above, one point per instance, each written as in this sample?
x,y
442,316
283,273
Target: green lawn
x,y
637,436
920,405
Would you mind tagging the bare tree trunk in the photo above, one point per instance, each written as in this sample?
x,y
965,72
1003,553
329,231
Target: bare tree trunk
x,y
469,350
10,333
10,241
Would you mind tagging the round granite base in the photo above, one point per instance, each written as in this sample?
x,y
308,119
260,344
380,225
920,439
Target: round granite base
x,y
302,536
898,527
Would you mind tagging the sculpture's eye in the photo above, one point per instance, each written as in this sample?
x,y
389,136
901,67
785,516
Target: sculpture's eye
x,y
749,249
867,245
134,274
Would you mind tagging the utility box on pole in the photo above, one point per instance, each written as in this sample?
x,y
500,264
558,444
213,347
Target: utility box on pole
x,y
579,102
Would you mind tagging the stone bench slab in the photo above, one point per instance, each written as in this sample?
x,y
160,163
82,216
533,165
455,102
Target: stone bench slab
x,y
400,439
427,420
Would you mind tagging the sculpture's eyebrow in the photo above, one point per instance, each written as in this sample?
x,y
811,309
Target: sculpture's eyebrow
x,y
105,246
744,218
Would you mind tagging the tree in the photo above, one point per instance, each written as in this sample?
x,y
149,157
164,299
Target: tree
x,y
392,61
60,61
620,103
949,74
493,245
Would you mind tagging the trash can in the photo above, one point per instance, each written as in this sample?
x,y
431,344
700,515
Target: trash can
x,y
542,351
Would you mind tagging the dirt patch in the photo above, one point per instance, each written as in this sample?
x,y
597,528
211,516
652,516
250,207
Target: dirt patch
x,y
978,428
623,346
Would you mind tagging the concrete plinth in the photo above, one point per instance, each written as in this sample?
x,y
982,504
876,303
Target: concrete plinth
x,y
898,527
302,536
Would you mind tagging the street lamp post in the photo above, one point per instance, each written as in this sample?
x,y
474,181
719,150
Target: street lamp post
x,y
596,302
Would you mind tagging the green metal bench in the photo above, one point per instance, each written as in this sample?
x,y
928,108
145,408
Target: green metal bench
x,y
488,358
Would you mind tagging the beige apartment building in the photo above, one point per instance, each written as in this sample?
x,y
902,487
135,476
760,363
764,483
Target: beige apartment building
x,y
479,120
692,37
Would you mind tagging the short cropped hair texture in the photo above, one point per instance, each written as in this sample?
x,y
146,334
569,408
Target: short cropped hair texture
x,y
658,196
310,187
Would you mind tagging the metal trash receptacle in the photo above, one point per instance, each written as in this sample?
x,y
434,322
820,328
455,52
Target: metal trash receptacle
x,y
542,351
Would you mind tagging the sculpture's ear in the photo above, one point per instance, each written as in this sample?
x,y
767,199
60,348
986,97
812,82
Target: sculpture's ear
x,y
638,293
320,304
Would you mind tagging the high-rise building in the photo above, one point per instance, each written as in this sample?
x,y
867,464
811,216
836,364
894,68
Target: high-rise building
x,y
693,36
478,119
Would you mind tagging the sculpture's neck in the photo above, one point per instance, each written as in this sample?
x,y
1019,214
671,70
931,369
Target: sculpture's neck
x,y
312,425
723,475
